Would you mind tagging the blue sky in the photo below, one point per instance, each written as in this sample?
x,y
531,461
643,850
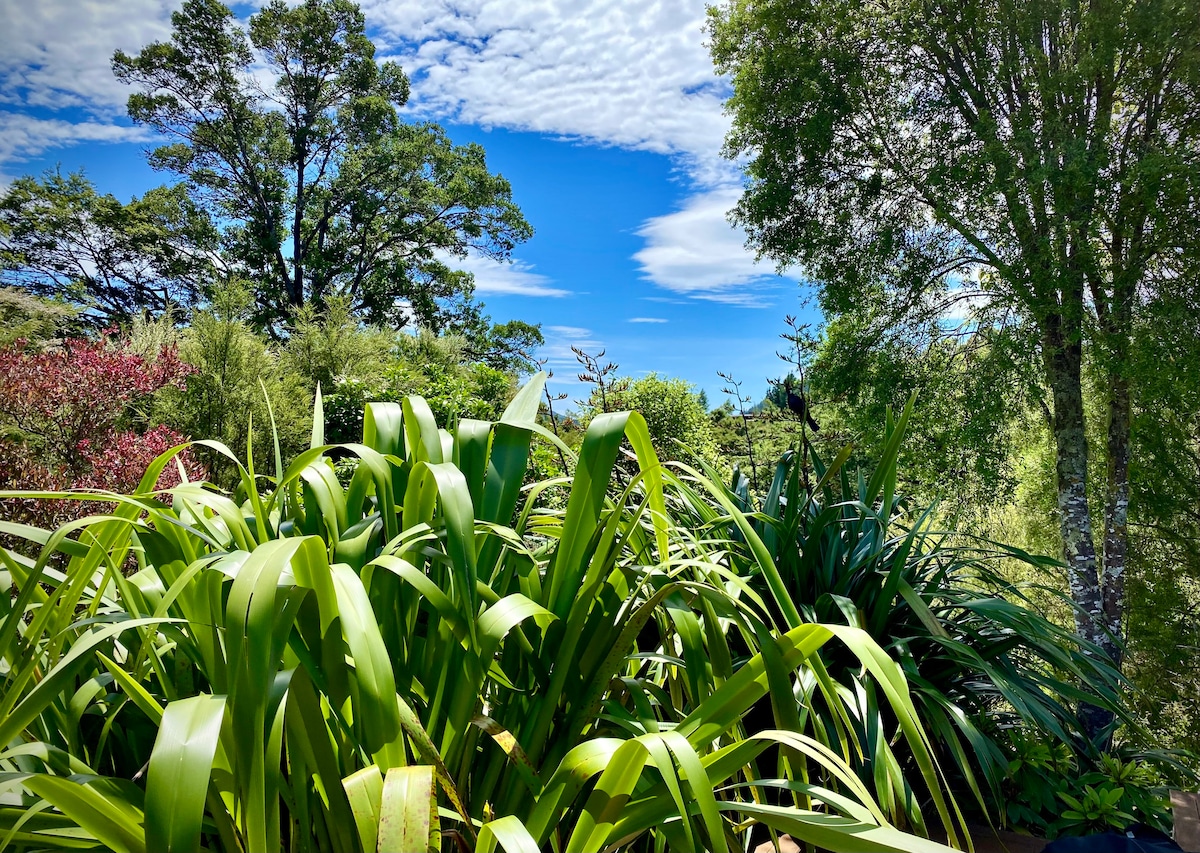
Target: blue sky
x,y
604,115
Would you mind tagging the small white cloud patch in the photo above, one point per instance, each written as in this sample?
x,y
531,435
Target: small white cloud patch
x,y
695,252
560,358
510,279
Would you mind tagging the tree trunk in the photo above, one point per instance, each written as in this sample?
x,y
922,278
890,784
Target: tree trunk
x,y
297,284
1116,515
1063,355
1116,325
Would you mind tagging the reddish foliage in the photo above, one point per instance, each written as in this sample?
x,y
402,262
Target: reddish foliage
x,y
75,409
117,465
79,392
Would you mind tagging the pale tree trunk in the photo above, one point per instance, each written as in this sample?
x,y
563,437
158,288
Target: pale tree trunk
x,y
296,291
1116,517
1116,324
1063,357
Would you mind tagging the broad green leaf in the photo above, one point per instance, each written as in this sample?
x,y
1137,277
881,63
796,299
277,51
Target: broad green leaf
x,y
408,821
524,406
507,834
177,779
365,792
101,806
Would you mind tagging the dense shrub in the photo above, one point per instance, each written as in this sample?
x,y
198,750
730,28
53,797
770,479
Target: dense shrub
x,y
771,434
24,316
77,416
438,368
983,660
1050,791
328,344
677,419
235,389
83,390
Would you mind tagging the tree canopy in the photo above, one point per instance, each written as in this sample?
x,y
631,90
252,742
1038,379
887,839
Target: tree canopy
x,y
60,238
1038,161
288,132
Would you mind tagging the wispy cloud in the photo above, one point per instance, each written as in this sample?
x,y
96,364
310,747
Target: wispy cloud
x,y
23,136
694,252
511,279
560,358
648,320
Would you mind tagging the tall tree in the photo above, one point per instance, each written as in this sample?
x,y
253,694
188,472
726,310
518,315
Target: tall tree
x,y
1049,146
289,133
60,238
973,384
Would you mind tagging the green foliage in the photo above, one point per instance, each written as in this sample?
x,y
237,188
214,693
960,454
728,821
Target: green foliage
x,y
776,395
31,318
436,367
324,190
771,434
821,89
326,344
1163,576
1028,166
60,238
509,347
1096,810
236,372
677,420
979,653
1048,792
1164,582
419,659
969,384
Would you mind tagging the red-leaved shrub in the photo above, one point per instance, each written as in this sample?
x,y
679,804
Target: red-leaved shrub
x,y
73,417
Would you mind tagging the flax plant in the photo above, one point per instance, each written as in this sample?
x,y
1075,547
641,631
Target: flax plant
x,y
397,645
979,658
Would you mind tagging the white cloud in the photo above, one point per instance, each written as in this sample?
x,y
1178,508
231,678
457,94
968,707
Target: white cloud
x,y
695,252
558,355
23,136
57,54
648,320
630,73
515,279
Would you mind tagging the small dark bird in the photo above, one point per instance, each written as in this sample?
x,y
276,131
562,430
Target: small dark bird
x,y
799,405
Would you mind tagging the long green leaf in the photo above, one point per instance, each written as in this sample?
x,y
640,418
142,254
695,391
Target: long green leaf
x,y
177,779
